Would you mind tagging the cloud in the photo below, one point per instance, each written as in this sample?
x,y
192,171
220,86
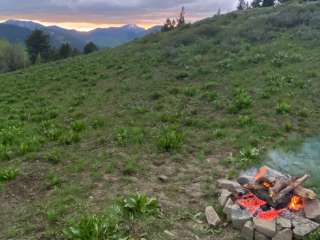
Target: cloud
x,y
111,11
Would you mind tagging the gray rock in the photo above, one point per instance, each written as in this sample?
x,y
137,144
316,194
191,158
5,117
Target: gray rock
x,y
259,236
247,231
228,208
284,223
213,218
312,209
163,178
224,196
303,227
232,186
285,234
267,228
239,217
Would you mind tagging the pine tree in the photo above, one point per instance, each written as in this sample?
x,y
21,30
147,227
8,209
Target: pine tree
x,y
181,19
38,44
89,48
65,50
242,5
168,26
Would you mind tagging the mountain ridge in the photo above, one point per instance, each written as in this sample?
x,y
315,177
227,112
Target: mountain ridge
x,y
103,37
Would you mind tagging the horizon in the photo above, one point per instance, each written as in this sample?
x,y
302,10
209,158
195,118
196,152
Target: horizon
x,y
68,26
85,16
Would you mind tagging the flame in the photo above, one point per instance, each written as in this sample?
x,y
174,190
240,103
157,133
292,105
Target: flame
x,y
296,203
262,171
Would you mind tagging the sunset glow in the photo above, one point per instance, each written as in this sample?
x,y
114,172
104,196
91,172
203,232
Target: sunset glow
x,y
87,15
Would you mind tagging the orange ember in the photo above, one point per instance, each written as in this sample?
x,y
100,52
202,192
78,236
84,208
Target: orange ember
x,y
296,203
262,171
269,215
267,185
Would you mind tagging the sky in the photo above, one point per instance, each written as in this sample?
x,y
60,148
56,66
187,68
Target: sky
x,y
89,14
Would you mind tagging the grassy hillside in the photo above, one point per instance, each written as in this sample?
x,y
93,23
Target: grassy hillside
x,y
194,105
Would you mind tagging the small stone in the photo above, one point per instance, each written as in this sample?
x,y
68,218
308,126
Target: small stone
x,y
247,231
224,196
259,236
213,218
169,233
163,178
283,223
312,209
232,186
239,217
265,227
285,234
228,208
302,227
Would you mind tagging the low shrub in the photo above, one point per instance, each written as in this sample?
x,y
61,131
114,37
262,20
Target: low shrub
x,y
95,228
242,100
78,126
139,205
8,174
133,135
283,107
170,139
114,223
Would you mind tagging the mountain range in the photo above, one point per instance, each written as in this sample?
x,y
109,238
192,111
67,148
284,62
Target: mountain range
x,y
17,31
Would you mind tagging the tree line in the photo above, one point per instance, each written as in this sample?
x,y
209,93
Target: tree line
x,y
174,23
37,50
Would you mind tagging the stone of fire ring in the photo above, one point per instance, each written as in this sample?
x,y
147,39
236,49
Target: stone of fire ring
x,y
265,227
239,217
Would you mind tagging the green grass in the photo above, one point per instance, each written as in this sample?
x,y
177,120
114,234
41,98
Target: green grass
x,y
87,130
8,174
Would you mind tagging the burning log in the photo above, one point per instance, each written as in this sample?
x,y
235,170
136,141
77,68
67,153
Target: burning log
x,y
305,193
290,188
278,186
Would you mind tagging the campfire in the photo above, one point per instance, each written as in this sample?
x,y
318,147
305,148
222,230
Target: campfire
x,y
266,204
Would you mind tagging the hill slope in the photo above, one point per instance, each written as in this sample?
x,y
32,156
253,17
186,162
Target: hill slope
x,y
87,130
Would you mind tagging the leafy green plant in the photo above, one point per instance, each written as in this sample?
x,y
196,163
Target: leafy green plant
x,y
53,156
69,137
190,91
5,152
30,145
283,107
8,174
139,205
248,157
125,136
54,180
245,120
52,215
130,167
95,228
78,126
170,139
98,123
10,135
242,100
50,130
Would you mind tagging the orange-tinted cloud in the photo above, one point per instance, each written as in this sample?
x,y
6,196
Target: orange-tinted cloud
x,y
88,14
